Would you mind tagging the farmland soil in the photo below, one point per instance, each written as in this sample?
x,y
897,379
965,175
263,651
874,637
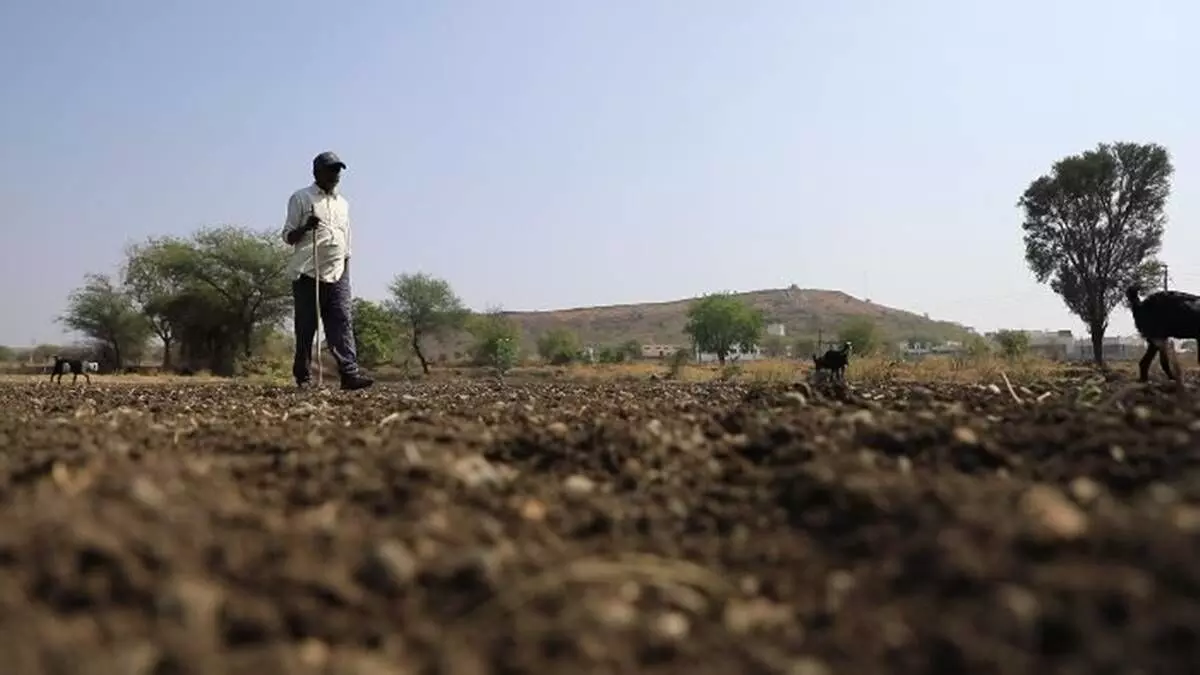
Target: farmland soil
x,y
622,527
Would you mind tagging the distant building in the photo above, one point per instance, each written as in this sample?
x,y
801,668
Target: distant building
x,y
659,351
1059,344
777,329
920,349
736,355
1064,345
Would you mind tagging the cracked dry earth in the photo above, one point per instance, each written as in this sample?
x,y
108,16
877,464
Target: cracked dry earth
x,y
611,528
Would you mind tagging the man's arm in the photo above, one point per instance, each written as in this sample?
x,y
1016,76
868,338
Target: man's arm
x,y
295,226
291,223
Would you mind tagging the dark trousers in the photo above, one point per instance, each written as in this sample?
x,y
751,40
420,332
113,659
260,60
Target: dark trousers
x,y
335,313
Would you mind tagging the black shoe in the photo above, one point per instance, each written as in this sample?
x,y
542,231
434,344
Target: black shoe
x,y
356,382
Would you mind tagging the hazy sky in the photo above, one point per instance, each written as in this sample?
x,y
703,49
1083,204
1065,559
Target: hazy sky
x,y
552,153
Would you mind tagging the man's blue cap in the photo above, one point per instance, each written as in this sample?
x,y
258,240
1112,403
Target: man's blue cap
x,y
328,158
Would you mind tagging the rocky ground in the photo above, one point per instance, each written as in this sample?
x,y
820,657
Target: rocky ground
x,y
603,528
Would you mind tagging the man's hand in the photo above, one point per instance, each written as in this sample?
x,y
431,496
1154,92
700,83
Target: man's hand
x,y
309,225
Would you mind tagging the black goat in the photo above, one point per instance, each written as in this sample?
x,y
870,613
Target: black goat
x,y
1159,317
77,367
834,360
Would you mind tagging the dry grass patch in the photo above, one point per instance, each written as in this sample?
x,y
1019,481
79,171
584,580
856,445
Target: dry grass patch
x,y
871,369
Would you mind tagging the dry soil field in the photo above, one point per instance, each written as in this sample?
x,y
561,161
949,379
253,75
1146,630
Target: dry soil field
x,y
599,528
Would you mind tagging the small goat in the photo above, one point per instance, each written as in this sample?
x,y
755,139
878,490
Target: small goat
x,y
834,360
1159,317
77,367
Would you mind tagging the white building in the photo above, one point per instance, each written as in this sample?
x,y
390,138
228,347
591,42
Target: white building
x,y
1066,346
735,355
659,351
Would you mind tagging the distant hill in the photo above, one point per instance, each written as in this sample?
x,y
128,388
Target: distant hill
x,y
803,312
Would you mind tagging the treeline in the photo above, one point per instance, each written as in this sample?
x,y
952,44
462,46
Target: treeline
x,y
211,299
220,301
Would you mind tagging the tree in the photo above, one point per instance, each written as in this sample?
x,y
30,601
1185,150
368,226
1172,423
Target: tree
x,y
803,347
1013,343
862,334
427,306
1094,225
977,346
154,289
7,354
775,346
214,294
631,350
43,353
610,354
105,313
376,332
719,323
558,346
497,341
247,271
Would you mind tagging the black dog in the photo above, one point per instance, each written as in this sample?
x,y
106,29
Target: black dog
x,y
76,366
835,361
1159,317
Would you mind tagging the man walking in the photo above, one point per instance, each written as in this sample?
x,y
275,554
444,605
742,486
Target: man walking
x,y
320,208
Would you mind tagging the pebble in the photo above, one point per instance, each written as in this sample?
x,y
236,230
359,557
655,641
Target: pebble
x,y
476,471
837,586
615,612
192,604
534,510
671,626
313,653
578,484
965,436
1054,513
796,398
389,567
920,394
1020,601
863,417
808,665
1187,518
140,658
745,616
1085,490
145,492
1163,494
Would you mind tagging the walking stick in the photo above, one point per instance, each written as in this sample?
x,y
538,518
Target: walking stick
x,y
317,300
